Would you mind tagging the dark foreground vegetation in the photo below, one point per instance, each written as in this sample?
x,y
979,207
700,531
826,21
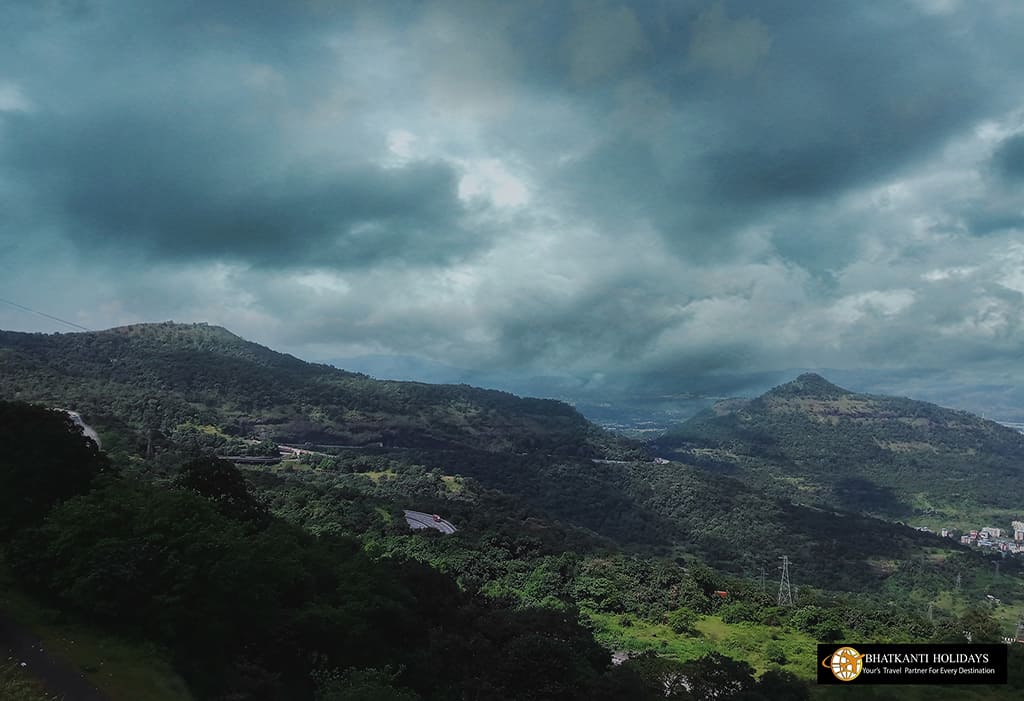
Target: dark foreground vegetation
x,y
251,606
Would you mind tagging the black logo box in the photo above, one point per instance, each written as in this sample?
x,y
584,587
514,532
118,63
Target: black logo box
x,y
992,671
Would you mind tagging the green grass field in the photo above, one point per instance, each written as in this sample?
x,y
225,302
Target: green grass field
x,y
376,476
938,514
452,483
753,643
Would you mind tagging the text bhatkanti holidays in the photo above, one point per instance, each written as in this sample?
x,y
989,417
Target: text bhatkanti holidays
x,y
926,658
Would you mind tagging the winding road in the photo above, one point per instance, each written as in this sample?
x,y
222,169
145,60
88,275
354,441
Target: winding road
x,y
418,520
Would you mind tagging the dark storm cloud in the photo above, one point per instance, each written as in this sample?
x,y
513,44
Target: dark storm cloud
x,y
175,138
1009,158
985,219
998,209
846,92
828,97
179,188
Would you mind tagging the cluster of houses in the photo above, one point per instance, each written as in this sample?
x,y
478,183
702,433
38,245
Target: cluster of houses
x,y
999,539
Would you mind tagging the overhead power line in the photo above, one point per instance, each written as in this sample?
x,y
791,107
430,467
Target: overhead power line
x,y
48,316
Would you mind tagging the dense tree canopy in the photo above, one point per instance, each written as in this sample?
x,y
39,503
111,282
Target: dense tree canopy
x,y
44,459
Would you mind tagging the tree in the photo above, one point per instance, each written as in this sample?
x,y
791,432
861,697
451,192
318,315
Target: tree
x,y
44,460
624,682
716,676
666,676
818,621
778,685
222,482
361,685
682,621
774,652
982,626
738,612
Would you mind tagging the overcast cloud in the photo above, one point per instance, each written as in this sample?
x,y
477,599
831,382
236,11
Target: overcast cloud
x,y
585,188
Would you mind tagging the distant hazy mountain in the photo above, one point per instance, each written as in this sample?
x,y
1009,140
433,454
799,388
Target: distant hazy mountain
x,y
647,402
890,456
411,368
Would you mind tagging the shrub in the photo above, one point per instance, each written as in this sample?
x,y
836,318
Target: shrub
x,y
682,621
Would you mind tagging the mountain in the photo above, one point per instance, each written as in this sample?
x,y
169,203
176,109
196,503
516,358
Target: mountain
x,y
889,456
192,388
556,520
172,381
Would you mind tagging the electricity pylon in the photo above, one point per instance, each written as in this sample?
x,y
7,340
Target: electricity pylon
x,y
785,591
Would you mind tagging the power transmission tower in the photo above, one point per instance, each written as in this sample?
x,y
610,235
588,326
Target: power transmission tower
x,y
930,616
958,581
1019,635
762,579
785,591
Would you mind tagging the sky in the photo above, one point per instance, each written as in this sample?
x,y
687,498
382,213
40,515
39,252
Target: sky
x,y
675,189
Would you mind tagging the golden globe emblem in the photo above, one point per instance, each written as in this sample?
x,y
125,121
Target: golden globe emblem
x,y
846,664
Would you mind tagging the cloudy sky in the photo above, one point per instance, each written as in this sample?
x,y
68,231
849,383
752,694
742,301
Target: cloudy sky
x,y
588,188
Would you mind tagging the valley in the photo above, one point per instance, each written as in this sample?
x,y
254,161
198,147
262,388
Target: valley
x,y
664,552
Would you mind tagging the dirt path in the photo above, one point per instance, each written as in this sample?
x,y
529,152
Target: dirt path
x,y
57,676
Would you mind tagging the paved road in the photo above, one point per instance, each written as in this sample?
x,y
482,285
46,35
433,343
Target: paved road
x,y
418,519
57,676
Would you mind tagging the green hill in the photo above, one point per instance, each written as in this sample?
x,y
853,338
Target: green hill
x,y
176,381
889,456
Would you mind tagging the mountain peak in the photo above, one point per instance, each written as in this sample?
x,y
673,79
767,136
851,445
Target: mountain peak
x,y
191,335
168,328
809,384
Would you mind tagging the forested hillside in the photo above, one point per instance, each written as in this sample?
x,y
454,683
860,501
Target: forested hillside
x,y
164,381
682,508
889,456
351,605
250,606
169,392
